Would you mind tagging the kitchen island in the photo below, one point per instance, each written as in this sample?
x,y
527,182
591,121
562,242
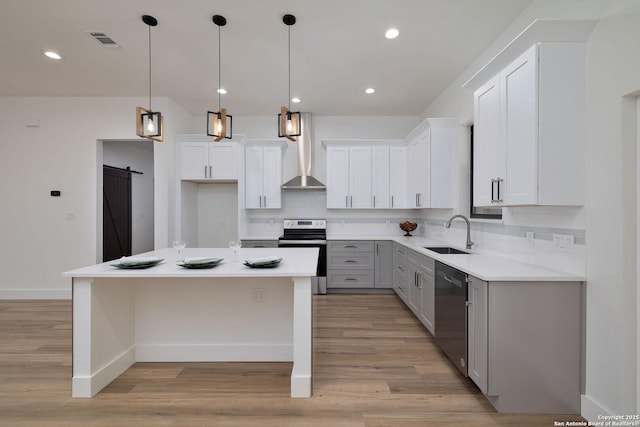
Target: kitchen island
x,y
168,313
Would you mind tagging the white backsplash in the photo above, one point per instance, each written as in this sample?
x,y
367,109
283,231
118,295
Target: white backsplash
x,y
267,223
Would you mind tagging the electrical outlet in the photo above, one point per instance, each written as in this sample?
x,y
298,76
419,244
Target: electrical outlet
x,y
563,241
258,294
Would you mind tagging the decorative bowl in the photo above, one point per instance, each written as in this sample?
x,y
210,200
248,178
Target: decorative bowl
x,y
408,227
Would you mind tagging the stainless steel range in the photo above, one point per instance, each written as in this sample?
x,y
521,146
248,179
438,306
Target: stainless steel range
x,y
308,233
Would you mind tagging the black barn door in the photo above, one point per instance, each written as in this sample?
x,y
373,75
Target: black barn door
x,y
116,208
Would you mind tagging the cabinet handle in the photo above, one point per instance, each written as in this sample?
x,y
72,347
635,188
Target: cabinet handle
x,y
419,199
259,246
499,199
210,174
260,198
377,250
265,201
349,279
350,246
391,201
493,198
351,199
374,201
350,260
346,201
205,172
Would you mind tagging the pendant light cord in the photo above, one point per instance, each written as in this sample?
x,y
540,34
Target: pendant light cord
x,y
289,99
219,66
150,109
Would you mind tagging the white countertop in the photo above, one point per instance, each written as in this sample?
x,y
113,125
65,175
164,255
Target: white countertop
x,y
296,262
487,267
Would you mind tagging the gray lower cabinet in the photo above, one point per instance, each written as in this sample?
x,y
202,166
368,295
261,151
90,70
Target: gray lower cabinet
x,y
400,271
477,338
421,288
259,243
350,264
525,344
383,278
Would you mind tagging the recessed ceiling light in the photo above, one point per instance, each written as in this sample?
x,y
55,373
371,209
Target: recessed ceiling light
x,y
392,33
53,55
222,91
369,90
296,99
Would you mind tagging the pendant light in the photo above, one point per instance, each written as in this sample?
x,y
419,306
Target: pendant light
x,y
217,125
288,122
149,123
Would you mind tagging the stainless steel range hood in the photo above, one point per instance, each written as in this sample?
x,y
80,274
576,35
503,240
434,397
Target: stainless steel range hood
x,y
304,180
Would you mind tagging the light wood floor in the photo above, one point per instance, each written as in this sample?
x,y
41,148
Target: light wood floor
x,y
374,365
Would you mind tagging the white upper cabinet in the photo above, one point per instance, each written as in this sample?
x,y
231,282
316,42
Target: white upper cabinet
x,y
419,171
380,177
263,176
431,164
529,130
205,161
349,177
398,176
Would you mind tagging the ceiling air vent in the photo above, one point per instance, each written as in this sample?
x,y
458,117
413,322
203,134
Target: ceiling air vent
x,y
103,38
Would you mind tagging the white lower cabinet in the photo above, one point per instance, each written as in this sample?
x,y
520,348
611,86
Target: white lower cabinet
x,y
477,338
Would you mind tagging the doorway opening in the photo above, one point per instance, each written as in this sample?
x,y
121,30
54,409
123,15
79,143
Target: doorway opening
x,y
125,223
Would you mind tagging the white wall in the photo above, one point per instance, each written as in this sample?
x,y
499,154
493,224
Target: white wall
x,y
61,154
138,155
609,216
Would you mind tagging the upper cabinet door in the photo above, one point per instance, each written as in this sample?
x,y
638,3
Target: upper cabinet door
x,y
253,177
488,151
337,177
194,160
419,171
398,177
223,159
272,177
441,176
360,177
520,114
380,178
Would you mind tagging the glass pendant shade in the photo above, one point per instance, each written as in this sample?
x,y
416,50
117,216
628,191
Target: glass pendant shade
x,y
149,124
288,124
219,125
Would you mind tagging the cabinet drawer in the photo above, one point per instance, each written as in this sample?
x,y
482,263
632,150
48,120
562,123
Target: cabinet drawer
x,y
355,261
422,262
259,243
350,246
349,279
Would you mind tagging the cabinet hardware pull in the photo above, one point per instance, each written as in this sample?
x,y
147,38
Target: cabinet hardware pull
x,y
265,201
260,198
346,201
419,199
391,201
499,180
350,279
377,250
351,197
350,260
205,171
468,303
374,201
350,246
493,199
210,174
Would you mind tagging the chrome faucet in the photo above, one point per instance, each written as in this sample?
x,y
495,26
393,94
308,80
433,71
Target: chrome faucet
x,y
448,225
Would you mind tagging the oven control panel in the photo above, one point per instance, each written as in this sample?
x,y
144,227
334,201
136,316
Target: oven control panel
x,y
305,223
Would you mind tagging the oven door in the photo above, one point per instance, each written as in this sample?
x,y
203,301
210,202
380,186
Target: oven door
x,y
321,269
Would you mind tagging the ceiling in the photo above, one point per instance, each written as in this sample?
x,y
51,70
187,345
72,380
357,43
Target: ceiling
x,y
338,49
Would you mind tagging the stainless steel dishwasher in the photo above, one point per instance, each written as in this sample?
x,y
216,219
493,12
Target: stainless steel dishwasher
x,y
451,314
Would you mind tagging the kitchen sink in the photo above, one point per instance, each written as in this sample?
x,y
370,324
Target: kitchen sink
x,y
446,250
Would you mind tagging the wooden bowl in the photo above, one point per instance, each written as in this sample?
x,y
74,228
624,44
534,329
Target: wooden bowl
x,y
408,227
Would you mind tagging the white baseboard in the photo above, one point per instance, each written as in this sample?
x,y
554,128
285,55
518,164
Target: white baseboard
x,y
35,293
83,386
591,409
214,353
